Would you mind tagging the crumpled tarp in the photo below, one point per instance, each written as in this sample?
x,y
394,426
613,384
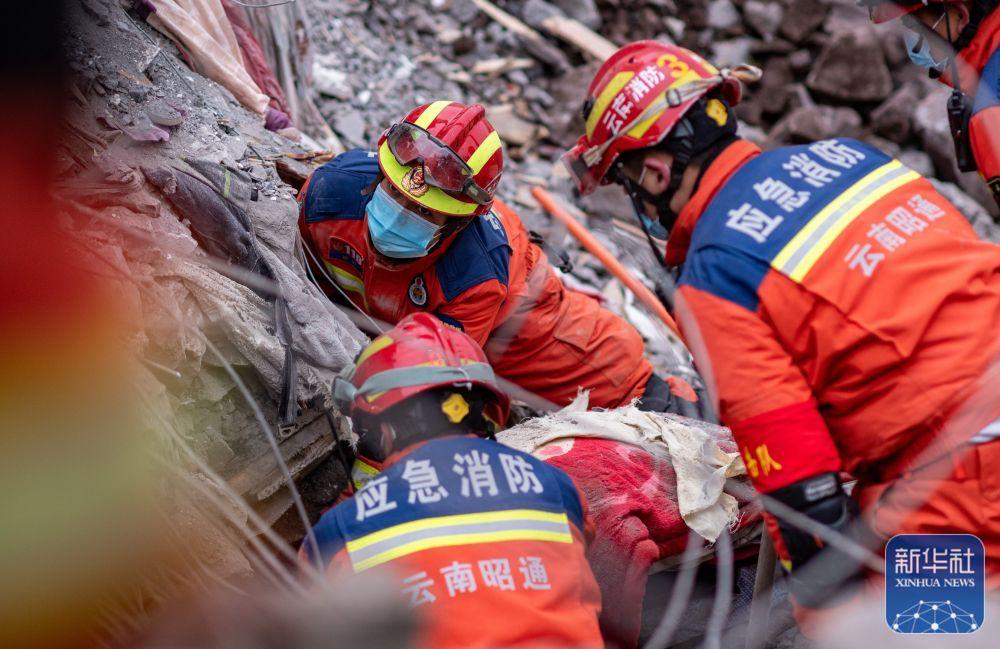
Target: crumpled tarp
x,y
201,29
701,466
169,292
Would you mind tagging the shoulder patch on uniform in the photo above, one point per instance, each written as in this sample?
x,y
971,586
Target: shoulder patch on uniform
x,y
341,188
480,253
417,291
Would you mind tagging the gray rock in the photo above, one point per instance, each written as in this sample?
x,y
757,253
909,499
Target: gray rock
x,y
892,119
845,17
722,14
583,10
802,18
810,123
535,12
800,60
331,81
918,161
852,67
732,52
513,129
350,125
763,17
463,11
930,122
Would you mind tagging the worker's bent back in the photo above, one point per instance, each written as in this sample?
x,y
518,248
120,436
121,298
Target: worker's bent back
x,y
486,542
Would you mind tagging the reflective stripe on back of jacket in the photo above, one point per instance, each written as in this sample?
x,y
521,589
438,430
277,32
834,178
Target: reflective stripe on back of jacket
x,y
486,543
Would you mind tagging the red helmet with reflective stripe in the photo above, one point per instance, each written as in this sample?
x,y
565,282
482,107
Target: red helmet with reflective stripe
x,y
420,353
637,98
464,131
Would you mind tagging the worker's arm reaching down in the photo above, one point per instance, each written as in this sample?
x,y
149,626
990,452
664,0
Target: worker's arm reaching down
x,y
783,441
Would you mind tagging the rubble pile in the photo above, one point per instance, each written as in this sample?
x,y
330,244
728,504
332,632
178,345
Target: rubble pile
x,y
827,72
170,189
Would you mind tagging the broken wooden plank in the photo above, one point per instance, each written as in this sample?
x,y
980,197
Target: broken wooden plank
x,y
533,42
568,29
580,36
497,66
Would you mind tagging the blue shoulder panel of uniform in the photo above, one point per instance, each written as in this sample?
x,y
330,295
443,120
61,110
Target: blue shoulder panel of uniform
x,y
762,207
988,94
480,253
448,320
336,190
328,536
386,500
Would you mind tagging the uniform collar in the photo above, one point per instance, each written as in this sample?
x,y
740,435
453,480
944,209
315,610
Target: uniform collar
x,y
974,57
715,177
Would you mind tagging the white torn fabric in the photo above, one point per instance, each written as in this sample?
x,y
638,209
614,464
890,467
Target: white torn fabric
x,y
701,466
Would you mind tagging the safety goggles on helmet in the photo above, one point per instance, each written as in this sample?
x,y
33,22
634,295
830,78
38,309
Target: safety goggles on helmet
x,y
442,167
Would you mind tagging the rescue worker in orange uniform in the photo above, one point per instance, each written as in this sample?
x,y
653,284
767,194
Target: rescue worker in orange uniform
x,y
841,310
958,41
486,542
414,227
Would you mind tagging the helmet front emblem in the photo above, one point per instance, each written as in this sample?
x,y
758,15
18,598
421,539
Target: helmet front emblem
x,y
413,181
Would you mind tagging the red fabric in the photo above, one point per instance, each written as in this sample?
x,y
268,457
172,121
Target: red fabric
x,y
632,497
785,445
253,58
536,333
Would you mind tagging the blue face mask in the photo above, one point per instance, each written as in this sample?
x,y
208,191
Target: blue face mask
x,y
919,50
397,232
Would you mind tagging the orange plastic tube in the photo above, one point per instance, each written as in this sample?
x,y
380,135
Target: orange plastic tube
x,y
594,247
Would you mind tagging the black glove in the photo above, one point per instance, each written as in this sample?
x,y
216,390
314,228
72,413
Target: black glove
x,y
820,574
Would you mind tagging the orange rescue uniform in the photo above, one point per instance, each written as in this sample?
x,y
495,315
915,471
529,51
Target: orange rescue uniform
x,y
487,543
843,310
488,280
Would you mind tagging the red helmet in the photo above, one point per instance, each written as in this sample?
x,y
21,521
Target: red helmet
x,y
445,156
637,97
419,354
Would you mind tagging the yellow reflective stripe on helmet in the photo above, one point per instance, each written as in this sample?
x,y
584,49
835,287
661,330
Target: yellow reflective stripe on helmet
x,y
483,152
640,129
602,100
376,345
431,113
461,529
434,199
798,257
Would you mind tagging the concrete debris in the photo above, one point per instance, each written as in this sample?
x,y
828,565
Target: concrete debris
x,y
852,68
